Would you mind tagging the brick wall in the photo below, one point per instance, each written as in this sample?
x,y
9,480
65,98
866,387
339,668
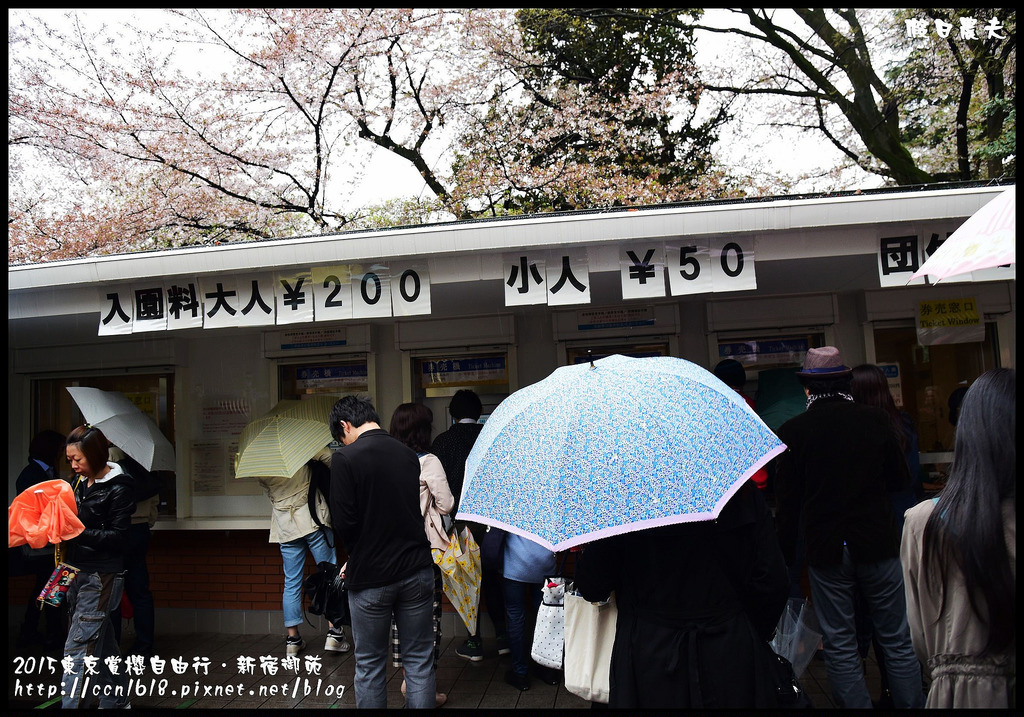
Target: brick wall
x,y
237,570
207,570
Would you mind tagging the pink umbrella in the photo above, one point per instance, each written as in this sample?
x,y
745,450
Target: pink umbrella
x,y
44,513
987,239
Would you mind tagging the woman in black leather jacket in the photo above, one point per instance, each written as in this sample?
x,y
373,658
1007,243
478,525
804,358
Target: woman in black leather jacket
x,y
103,492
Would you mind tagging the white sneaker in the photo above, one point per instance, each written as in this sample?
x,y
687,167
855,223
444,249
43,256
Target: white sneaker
x,y
336,641
294,645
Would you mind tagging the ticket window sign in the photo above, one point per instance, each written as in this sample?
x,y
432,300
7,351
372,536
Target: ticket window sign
x,y
463,371
894,379
332,378
765,352
949,321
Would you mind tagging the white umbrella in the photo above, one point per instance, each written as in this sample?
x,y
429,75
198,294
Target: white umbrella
x,y
987,239
125,426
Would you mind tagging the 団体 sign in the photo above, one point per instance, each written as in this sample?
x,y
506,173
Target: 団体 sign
x,y
949,321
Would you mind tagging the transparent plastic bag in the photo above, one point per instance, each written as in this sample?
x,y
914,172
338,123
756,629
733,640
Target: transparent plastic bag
x,y
798,634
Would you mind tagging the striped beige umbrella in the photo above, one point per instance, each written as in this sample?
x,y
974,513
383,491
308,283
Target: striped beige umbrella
x,y
279,442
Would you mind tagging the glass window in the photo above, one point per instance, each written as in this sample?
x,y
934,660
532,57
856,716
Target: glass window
x,y
578,354
153,394
333,378
930,375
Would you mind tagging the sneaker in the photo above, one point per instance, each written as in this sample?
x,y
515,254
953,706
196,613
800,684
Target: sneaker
x,y
502,642
471,650
336,641
520,682
294,645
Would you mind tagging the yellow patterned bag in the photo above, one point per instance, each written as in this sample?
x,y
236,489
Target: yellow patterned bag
x,y
460,575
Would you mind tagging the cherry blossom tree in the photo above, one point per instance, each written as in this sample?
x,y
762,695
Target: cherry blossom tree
x,y
599,109
216,126
221,125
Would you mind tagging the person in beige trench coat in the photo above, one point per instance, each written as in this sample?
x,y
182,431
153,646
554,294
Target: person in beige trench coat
x,y
959,559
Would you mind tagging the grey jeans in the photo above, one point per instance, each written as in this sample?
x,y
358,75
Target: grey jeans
x,y
411,602
834,589
91,598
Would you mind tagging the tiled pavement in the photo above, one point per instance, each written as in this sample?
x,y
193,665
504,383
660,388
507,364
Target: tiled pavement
x,y
469,685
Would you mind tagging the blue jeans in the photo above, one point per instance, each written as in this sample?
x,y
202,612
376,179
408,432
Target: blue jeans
x,y
293,553
834,590
520,599
90,599
411,601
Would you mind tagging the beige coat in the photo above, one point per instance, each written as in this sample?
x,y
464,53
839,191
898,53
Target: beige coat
x,y
947,647
289,498
436,499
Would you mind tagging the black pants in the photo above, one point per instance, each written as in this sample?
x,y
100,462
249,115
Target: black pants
x,y
136,587
56,617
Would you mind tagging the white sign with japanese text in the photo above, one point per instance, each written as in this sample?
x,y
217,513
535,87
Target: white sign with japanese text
x,y
294,291
899,256
148,307
568,278
116,314
642,271
525,281
371,291
220,301
256,297
184,306
410,290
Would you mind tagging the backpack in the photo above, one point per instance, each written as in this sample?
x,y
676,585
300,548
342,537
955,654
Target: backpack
x,y
327,595
319,482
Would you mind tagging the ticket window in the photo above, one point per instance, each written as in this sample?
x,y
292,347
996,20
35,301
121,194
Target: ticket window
x,y
314,376
583,353
152,393
770,363
928,377
438,376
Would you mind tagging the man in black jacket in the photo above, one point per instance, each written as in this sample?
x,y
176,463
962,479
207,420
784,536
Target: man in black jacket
x,y
452,448
832,486
375,510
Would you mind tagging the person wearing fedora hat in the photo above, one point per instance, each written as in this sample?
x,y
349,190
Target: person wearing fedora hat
x,y
842,461
825,363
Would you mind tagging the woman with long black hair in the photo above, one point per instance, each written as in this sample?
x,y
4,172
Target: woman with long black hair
x,y
869,386
959,558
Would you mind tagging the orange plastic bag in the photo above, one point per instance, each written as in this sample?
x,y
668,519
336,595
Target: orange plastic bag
x,y
44,513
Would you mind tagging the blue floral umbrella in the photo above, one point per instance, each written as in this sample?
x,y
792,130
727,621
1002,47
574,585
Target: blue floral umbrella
x,y
618,445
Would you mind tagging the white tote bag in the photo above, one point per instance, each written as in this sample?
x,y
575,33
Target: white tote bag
x,y
548,637
589,635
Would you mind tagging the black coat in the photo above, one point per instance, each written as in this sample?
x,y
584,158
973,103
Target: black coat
x,y
834,482
30,475
452,448
105,508
694,601
375,509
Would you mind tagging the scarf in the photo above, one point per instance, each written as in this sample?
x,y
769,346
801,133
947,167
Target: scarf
x,y
834,394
